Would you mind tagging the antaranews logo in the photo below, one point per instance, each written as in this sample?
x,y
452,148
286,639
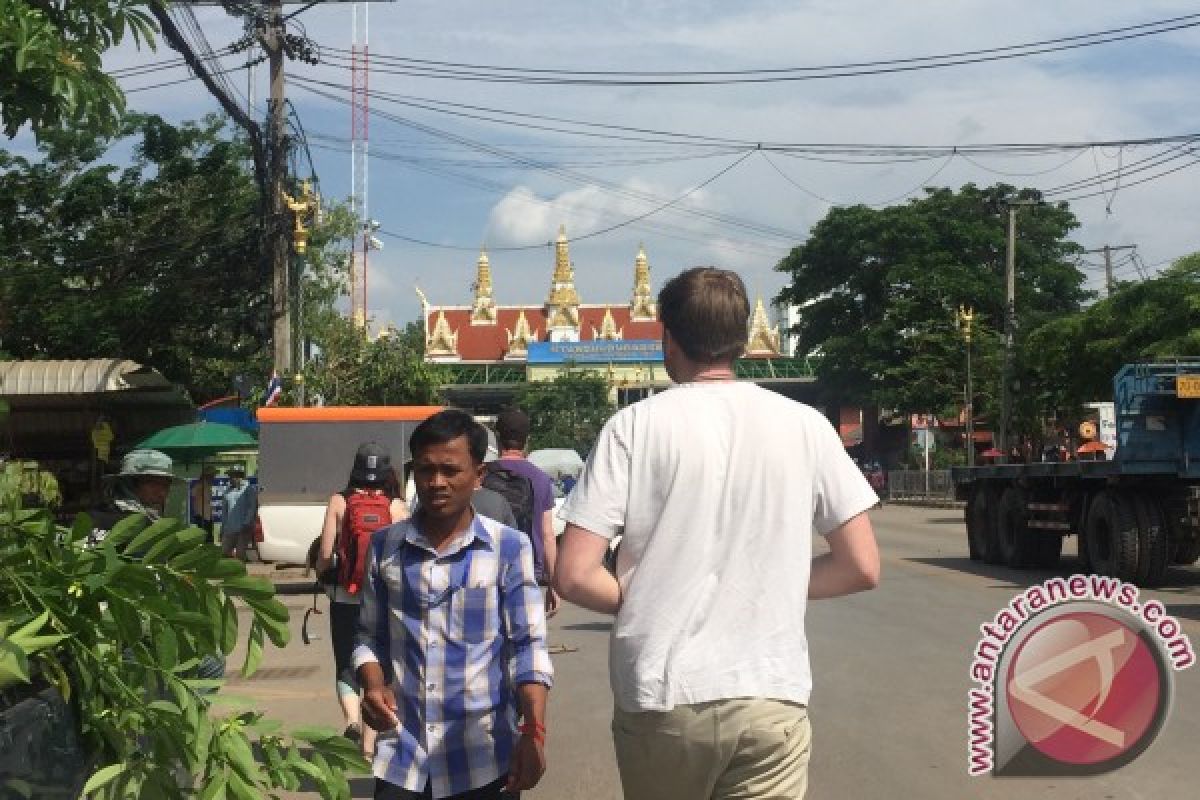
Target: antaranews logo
x,y
1074,677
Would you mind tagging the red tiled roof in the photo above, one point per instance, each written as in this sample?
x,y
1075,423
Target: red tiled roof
x,y
490,342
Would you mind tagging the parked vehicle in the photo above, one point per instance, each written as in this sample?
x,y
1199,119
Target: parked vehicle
x,y
304,457
1133,515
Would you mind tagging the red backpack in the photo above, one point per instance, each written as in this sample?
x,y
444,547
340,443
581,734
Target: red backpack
x,y
366,512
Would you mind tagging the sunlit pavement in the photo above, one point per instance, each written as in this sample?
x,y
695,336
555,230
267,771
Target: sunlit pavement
x,y
891,675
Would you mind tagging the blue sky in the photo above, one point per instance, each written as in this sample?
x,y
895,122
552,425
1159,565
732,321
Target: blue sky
x,y
1131,89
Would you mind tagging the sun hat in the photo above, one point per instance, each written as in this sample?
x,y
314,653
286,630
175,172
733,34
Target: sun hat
x,y
145,462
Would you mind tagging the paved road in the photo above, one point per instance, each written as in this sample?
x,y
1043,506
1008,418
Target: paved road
x,y
889,709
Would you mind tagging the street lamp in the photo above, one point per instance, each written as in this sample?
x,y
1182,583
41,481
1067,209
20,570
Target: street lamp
x,y
966,315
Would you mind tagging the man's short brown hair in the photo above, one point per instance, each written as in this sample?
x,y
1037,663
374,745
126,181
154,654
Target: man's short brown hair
x,y
706,311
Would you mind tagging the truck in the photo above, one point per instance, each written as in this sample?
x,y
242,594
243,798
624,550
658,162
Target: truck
x,y
1133,515
305,456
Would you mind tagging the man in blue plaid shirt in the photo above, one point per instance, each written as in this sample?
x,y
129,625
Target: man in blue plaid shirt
x,y
452,636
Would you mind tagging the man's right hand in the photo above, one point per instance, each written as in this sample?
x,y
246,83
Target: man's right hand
x,y
379,708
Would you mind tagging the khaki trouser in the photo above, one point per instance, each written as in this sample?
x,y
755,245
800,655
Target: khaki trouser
x,y
727,749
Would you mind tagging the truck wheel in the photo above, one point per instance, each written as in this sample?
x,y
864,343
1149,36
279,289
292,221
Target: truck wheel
x,y
1017,542
1049,550
982,525
1186,553
1112,536
1154,551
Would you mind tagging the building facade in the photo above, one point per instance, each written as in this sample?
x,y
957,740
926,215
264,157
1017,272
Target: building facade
x,y
621,340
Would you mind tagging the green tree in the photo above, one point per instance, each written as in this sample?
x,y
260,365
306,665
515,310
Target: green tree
x,y
1073,359
50,57
568,411
879,290
158,262
119,628
349,369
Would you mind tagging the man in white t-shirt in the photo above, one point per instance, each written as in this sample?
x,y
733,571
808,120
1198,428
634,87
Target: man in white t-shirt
x,y
718,487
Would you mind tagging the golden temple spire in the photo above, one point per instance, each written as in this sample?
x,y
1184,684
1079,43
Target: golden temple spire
x,y
562,306
642,307
763,339
519,338
483,309
608,329
442,343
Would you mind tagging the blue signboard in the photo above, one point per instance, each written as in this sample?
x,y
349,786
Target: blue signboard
x,y
602,352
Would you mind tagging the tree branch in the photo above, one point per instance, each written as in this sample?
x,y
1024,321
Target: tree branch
x,y
175,39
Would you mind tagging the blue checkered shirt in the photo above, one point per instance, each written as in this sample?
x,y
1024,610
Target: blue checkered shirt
x,y
456,633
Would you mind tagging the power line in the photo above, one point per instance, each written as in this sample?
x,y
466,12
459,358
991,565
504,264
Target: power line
x,y
569,175
531,75
591,234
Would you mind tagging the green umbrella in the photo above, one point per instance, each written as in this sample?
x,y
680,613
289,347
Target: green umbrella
x,y
198,440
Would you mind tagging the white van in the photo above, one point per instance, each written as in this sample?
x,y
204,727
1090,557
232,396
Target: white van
x,y
305,456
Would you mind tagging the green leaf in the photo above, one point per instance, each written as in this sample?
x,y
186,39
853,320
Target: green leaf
x,y
103,776
254,650
158,528
81,528
32,627
200,559
226,568
249,585
14,663
125,530
166,647
313,733
240,755
215,788
229,627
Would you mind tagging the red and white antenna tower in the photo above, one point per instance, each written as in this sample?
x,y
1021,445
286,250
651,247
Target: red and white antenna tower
x,y
359,115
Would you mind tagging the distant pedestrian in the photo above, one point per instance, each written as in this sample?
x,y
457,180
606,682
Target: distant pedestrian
x,y
536,519
200,499
141,486
239,508
452,636
718,486
369,502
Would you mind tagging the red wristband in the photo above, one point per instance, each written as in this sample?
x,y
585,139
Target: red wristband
x,y
534,731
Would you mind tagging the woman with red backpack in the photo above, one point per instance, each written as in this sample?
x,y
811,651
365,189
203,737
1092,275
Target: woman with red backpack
x,y
370,501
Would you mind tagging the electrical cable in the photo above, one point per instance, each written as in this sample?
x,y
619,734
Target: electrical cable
x,y
569,175
590,234
527,75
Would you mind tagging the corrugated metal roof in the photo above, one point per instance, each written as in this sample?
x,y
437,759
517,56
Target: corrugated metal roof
x,y
101,375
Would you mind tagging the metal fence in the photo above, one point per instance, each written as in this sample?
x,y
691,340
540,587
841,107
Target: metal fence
x,y
918,484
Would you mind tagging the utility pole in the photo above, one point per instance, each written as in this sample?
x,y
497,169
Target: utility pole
x,y
1107,250
277,231
1010,324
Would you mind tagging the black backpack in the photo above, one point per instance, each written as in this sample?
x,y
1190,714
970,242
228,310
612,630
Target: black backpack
x,y
516,489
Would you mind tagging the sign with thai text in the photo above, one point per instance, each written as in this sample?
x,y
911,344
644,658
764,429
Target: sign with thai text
x,y
601,352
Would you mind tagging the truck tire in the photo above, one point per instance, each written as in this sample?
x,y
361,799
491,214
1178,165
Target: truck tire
x,y
1154,551
1186,553
983,525
1048,550
1017,542
1112,536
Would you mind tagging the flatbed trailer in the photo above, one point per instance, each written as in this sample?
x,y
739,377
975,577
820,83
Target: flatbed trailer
x,y
1133,516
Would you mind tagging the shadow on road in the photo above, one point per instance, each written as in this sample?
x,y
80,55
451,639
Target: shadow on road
x,y
598,627
958,520
1178,579
296,587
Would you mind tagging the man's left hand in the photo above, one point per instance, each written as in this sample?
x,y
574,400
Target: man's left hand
x,y
528,765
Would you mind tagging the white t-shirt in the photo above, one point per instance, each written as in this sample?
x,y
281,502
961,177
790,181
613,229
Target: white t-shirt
x,y
717,488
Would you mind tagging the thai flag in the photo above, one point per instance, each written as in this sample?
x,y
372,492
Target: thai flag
x,y
274,390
